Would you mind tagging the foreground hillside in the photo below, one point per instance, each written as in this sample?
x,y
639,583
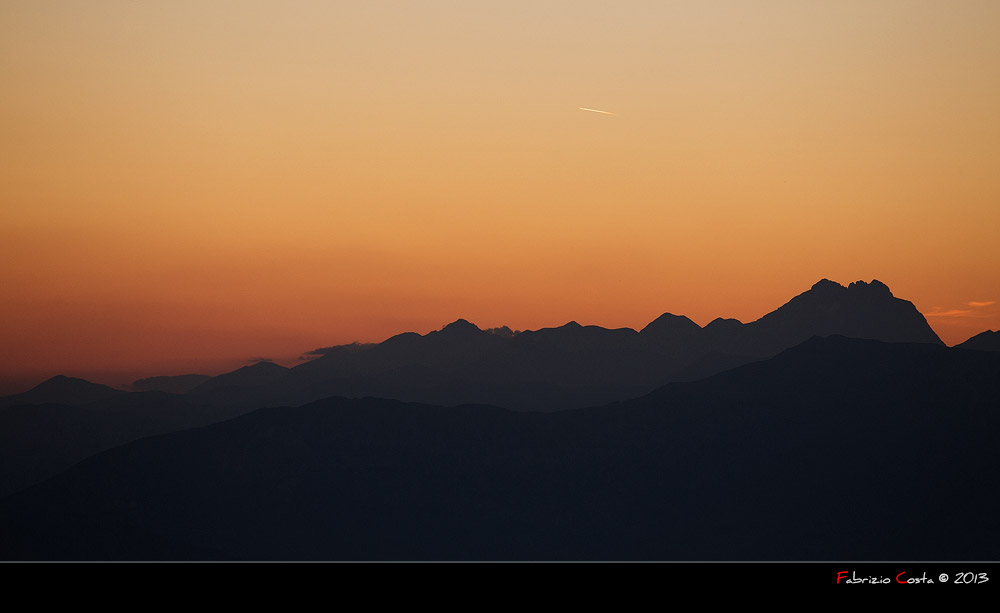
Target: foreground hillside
x,y
838,449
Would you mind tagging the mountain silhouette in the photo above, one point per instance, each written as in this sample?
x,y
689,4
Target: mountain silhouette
x,y
984,341
62,390
256,374
672,329
63,420
573,365
551,368
860,310
836,449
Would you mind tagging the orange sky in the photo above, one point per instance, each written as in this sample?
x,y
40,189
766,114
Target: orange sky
x,y
186,185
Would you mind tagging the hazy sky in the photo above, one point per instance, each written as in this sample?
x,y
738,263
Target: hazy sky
x,y
185,185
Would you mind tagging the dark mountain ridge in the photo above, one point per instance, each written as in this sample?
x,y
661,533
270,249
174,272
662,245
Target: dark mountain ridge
x,y
548,369
62,390
984,341
573,365
837,449
174,384
551,368
248,376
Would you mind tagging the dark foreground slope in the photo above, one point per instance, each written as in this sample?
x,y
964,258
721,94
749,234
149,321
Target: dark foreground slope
x,y
838,449
38,441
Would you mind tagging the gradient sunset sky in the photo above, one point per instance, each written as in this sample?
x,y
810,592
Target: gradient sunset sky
x,y
187,185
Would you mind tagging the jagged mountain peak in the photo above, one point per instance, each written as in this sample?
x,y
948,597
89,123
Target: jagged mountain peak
x,y
876,287
826,285
860,310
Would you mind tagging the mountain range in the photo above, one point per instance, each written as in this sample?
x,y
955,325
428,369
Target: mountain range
x,y
836,449
984,341
549,369
836,427
570,366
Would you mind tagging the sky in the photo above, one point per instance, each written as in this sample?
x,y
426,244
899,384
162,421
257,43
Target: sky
x,y
188,185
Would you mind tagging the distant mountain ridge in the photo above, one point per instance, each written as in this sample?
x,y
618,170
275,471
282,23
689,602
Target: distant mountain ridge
x,y
61,389
174,384
984,341
247,376
567,366
836,446
573,365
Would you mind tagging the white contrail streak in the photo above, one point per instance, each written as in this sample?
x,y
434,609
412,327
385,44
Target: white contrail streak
x,y
597,111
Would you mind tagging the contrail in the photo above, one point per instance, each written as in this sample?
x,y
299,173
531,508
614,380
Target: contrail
x,y
596,111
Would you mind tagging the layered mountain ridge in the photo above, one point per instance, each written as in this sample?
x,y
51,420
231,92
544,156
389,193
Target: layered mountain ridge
x,y
64,420
984,341
796,436
574,365
554,368
836,449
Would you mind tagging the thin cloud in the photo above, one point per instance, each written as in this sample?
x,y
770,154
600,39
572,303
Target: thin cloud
x,y
979,310
948,313
315,353
321,351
